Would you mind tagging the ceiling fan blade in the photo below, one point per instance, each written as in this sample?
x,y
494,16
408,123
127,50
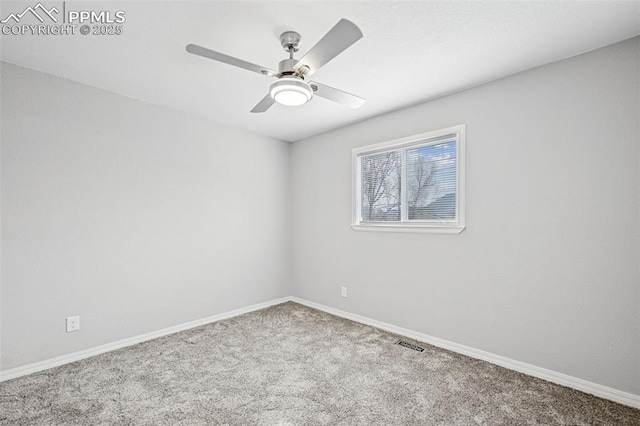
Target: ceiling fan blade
x,y
340,37
221,57
264,104
336,95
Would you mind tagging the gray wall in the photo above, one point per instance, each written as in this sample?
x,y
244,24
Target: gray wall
x,y
547,270
139,218
132,216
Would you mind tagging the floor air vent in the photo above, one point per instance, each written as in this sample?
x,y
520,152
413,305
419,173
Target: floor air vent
x,y
410,346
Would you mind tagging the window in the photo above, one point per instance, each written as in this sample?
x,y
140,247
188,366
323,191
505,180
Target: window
x,y
414,184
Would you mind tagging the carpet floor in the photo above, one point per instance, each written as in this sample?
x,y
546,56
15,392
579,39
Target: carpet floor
x,y
292,365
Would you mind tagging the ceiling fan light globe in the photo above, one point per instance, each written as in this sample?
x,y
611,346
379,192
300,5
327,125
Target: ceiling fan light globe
x,y
291,91
291,98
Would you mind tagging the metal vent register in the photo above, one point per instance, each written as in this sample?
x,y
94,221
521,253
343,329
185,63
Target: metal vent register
x,y
410,346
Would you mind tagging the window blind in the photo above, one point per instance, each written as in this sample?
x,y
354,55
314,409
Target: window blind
x,y
429,190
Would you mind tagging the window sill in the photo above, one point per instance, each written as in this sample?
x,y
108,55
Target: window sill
x,y
454,229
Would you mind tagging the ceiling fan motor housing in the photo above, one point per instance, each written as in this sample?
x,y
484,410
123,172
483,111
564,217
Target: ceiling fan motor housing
x,y
286,66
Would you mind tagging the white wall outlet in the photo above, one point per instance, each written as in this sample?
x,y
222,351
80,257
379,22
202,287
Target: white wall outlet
x,y
73,323
344,292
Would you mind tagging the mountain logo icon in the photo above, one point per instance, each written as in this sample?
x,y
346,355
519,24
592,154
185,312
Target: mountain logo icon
x,y
39,11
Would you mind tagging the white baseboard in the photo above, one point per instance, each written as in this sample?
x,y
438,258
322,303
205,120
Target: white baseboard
x,y
76,356
531,370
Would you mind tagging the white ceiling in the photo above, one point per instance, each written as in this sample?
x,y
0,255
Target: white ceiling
x,y
410,52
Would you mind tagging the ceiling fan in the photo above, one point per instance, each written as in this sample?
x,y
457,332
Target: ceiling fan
x,y
292,87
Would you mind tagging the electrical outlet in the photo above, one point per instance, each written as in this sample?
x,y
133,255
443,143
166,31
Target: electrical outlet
x,y
73,323
344,292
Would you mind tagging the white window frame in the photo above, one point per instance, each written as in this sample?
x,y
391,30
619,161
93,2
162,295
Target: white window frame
x,y
405,225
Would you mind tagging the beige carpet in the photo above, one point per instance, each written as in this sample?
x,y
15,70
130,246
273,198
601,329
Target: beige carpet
x,y
291,365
